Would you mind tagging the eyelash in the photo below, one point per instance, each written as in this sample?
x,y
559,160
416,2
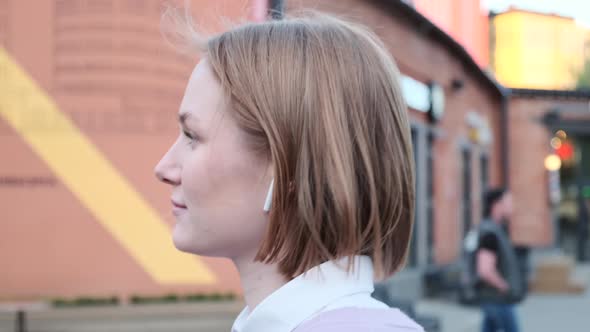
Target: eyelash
x,y
189,136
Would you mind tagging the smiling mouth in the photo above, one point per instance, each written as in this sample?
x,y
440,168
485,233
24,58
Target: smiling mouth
x,y
175,203
177,208
180,206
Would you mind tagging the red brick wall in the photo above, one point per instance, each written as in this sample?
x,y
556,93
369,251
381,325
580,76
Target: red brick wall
x,y
52,244
529,145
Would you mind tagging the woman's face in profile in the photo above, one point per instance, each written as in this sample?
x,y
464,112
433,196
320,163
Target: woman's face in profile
x,y
218,184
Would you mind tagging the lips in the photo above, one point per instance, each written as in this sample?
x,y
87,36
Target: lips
x,y
178,205
178,208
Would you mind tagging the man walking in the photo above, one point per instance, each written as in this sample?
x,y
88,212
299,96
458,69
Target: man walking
x,y
496,262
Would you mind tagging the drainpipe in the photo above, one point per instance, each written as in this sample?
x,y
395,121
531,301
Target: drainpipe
x,y
504,136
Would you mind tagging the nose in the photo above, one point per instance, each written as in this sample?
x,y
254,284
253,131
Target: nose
x,y
168,170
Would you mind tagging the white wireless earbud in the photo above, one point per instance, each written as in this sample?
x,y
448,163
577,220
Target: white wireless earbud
x,y
268,201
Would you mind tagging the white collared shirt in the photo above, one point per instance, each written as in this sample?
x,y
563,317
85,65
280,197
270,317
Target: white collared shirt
x,y
323,288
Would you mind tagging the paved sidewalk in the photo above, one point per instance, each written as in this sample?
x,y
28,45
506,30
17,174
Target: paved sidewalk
x,y
186,317
538,313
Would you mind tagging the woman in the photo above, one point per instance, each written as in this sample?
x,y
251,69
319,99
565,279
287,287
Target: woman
x,y
294,160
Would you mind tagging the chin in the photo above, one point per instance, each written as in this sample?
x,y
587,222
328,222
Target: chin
x,y
194,240
182,246
182,239
185,242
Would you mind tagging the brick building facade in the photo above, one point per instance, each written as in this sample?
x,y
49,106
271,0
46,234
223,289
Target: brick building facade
x,y
459,123
550,211
89,92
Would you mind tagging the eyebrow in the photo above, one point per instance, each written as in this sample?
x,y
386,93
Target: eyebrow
x,y
182,117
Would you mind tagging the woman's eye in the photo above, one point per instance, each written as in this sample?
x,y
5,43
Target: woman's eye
x,y
189,136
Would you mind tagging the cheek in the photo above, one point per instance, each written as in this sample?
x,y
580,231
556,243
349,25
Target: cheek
x,y
223,171
235,182
225,195
210,178
195,179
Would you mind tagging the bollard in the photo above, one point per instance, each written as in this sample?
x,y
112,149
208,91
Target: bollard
x,y
21,321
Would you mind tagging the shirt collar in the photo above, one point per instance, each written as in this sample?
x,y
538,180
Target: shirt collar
x,y
307,294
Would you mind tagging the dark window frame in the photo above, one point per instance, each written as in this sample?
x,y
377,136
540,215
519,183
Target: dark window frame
x,y
467,188
484,173
413,251
430,204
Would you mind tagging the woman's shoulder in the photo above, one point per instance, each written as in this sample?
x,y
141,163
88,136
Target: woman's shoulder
x,y
360,319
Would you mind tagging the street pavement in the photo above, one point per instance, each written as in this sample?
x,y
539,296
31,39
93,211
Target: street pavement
x,y
538,313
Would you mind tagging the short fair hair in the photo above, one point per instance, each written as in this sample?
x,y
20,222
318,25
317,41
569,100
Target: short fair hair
x,y
320,97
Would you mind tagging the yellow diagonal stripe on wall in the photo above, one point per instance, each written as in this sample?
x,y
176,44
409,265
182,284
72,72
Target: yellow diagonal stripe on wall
x,y
93,179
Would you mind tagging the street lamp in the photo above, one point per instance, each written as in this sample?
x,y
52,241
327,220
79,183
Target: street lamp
x,y
552,162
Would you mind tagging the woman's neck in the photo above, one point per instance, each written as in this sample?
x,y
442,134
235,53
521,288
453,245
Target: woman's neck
x,y
258,280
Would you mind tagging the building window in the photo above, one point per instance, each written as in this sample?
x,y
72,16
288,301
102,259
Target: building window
x,y
466,200
421,250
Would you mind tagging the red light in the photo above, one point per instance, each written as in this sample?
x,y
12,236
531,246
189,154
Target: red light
x,y
565,151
